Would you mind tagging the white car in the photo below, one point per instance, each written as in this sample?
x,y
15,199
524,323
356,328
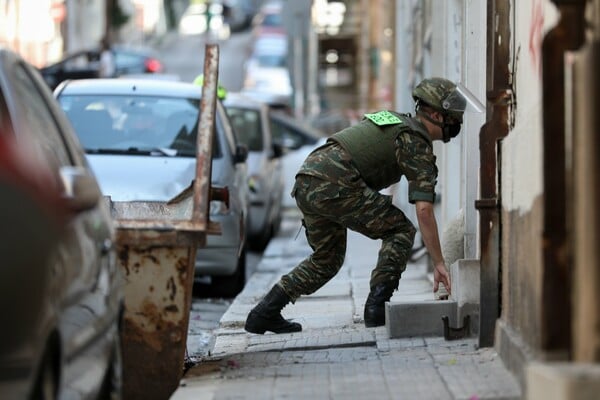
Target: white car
x,y
266,70
250,119
140,139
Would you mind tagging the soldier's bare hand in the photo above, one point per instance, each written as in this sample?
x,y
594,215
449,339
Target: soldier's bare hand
x,y
440,274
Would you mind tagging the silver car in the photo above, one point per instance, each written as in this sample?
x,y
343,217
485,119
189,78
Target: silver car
x,y
250,119
298,140
61,291
140,138
266,72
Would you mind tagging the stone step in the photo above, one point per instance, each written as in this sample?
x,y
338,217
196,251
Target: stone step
x,y
422,318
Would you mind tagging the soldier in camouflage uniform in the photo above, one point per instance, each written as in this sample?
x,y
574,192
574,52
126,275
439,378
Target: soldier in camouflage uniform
x,y
338,188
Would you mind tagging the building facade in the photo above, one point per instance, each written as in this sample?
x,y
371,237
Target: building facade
x,y
524,173
43,31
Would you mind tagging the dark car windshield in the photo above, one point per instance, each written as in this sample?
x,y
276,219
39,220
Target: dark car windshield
x,y
145,125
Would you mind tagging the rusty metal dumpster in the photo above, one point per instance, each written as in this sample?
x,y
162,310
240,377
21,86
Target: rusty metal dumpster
x,y
156,250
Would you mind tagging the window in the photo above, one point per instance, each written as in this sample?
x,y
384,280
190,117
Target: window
x,y
247,126
134,124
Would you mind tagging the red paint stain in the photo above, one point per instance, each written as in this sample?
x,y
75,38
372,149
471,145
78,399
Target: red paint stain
x,y
535,34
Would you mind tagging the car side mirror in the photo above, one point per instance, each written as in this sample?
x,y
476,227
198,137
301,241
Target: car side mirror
x,y
81,190
278,150
241,154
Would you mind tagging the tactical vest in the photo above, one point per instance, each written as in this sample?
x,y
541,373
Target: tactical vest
x,y
372,146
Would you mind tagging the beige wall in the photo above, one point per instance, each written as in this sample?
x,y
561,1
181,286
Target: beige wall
x,y
42,31
586,196
31,28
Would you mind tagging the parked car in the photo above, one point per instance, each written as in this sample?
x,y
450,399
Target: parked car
x,y
266,71
298,139
86,64
250,119
269,19
140,138
61,293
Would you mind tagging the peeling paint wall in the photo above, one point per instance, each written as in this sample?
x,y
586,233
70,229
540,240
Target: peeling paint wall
x,y
586,196
522,189
522,169
450,46
532,302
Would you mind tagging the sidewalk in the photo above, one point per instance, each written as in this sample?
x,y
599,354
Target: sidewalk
x,y
335,356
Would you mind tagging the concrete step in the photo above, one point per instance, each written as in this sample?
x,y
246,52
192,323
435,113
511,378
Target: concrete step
x,y
423,318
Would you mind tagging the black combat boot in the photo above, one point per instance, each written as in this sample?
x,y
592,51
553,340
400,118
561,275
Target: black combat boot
x,y
375,304
266,316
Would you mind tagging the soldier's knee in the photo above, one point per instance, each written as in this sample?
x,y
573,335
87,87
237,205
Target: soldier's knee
x,y
330,262
332,271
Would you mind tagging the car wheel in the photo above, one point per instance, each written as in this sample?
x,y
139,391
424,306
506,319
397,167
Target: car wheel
x,y
232,285
112,385
46,386
259,243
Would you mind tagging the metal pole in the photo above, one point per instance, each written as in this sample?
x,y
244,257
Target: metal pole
x,y
205,133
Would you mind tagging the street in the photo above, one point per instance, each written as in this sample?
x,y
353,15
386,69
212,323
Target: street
x,y
184,56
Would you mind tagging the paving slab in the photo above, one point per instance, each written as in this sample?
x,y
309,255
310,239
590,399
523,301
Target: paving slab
x,y
336,356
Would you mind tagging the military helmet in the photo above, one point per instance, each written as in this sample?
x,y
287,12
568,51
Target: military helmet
x,y
442,95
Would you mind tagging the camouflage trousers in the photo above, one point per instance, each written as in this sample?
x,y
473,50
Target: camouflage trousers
x,y
328,211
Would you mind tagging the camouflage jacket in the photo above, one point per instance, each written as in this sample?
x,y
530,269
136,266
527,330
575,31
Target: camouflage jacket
x,y
382,148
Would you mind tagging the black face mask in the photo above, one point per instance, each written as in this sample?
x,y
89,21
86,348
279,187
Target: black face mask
x,y
450,131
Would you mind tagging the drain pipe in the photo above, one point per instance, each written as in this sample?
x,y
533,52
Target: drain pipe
x,y
497,127
567,35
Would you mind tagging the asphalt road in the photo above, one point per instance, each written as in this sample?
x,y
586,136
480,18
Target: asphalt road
x,y
184,56
206,312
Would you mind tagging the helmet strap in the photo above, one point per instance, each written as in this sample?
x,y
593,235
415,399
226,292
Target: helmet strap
x,y
448,130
